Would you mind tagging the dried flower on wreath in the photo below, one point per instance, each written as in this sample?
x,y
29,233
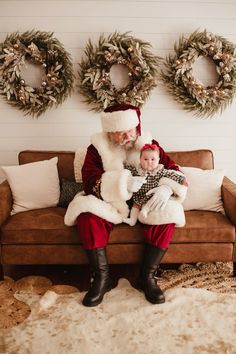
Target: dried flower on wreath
x,y
95,81
188,90
39,48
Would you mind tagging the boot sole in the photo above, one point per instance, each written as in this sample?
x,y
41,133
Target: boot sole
x,y
155,301
93,304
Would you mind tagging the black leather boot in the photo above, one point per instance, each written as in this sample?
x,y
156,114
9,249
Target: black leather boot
x,y
101,281
147,282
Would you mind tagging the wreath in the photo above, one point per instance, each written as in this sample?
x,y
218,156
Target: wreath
x,y
95,80
42,49
205,101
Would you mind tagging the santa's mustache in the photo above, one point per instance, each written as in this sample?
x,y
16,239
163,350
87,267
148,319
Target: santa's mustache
x,y
130,140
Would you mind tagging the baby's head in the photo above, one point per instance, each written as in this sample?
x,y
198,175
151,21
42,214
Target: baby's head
x,y
149,157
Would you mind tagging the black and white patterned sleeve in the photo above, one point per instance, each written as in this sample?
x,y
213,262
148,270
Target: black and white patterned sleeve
x,y
131,168
175,176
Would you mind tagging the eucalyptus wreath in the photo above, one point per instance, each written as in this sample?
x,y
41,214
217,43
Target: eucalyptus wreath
x,y
188,90
39,48
95,80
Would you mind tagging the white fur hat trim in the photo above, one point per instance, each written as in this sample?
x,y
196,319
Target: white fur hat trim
x,y
118,121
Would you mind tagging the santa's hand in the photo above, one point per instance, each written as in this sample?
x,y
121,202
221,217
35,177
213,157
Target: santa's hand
x,y
161,195
134,183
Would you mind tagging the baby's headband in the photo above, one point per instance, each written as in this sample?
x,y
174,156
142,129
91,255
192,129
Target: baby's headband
x,y
149,146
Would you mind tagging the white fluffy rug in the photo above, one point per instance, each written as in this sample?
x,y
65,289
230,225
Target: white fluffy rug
x,y
192,321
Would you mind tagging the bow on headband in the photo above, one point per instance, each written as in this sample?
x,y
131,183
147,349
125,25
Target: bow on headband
x,y
149,146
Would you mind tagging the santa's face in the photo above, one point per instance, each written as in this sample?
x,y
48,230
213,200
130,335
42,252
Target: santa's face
x,y
149,160
124,138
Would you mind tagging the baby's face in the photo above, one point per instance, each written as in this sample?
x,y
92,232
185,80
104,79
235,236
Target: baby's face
x,y
149,160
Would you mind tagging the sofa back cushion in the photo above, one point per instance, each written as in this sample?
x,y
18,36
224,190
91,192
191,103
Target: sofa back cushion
x,y
65,163
195,158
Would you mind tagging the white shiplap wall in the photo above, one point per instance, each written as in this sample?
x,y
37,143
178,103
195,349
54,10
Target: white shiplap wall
x,y
159,22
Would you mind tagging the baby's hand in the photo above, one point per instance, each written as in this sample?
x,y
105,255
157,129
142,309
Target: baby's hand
x,y
129,221
185,182
144,211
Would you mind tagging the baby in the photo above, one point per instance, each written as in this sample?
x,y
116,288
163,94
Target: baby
x,y
153,171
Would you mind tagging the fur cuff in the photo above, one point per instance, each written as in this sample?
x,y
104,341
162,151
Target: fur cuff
x,y
122,208
173,213
89,203
114,186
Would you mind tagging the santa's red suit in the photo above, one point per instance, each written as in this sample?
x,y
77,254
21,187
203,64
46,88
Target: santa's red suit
x,y
105,186
106,191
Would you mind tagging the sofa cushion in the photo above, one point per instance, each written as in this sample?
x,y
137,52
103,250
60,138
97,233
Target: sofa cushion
x,y
40,226
68,190
46,226
34,185
204,191
205,226
65,160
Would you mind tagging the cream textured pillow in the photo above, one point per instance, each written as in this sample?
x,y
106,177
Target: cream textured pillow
x,y
204,191
34,185
78,163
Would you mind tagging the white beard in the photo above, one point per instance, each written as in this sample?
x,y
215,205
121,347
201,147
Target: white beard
x,y
113,155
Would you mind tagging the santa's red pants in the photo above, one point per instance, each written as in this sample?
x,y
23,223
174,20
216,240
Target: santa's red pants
x,y
94,232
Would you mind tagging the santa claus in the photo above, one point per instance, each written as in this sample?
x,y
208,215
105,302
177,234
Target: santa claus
x,y
107,188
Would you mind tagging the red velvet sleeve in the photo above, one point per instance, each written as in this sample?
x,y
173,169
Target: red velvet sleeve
x,y
92,170
165,160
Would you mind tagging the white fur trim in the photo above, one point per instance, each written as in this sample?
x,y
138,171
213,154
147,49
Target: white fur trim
x,y
119,120
121,207
173,213
145,138
89,203
133,155
112,156
114,186
179,190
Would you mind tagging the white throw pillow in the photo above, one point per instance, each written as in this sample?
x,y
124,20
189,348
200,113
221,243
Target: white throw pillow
x,y
78,163
204,191
34,185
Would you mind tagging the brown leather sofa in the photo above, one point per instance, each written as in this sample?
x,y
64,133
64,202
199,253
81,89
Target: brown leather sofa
x,y
40,236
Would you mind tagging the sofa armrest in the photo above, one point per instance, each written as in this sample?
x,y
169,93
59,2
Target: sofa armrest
x,y
5,201
228,191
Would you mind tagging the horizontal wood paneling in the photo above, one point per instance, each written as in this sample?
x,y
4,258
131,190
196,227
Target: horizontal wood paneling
x,y
100,24
113,9
158,22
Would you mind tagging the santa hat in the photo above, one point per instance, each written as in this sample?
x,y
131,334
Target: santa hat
x,y
121,117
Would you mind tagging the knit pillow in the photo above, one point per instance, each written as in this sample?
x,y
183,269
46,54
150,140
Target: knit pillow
x,y
68,191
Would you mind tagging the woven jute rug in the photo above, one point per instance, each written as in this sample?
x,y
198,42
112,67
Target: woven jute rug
x,y
215,277
199,316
